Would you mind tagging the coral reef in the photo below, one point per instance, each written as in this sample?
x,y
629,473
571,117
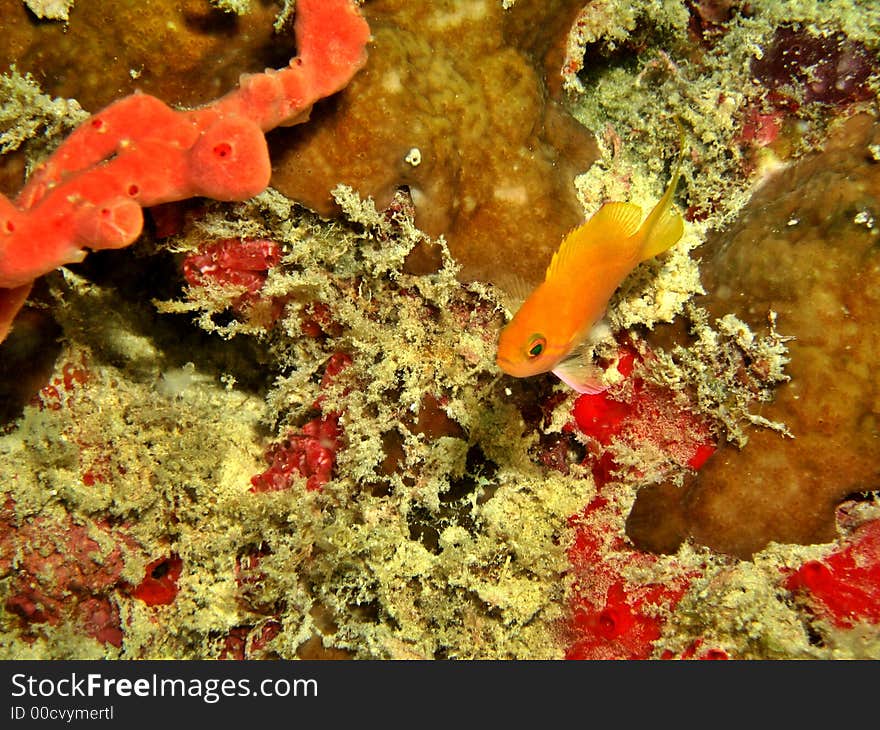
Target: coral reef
x,y
613,616
65,579
828,68
747,610
749,111
257,433
454,106
631,66
842,588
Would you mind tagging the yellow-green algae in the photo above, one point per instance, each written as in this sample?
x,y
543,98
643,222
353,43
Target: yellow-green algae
x,y
28,116
490,587
729,368
50,9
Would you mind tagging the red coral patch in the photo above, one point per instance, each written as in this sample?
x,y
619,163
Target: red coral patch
x,y
159,586
311,453
844,587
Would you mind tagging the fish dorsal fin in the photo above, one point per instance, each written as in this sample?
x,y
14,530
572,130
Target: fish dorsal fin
x,y
612,220
514,290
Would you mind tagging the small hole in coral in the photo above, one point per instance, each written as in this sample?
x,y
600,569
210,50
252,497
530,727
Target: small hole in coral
x,y
715,654
607,622
814,569
98,124
814,637
10,226
224,149
133,190
105,212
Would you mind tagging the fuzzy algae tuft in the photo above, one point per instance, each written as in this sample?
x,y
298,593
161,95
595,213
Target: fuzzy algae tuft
x,y
455,551
27,115
443,545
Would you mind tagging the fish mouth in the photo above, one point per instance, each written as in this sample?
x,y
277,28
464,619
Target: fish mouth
x,y
518,369
508,366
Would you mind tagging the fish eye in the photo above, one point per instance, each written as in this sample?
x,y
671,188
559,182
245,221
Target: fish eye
x,y
537,345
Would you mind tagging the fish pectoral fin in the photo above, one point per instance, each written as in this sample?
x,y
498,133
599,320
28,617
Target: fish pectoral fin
x,y
582,374
579,370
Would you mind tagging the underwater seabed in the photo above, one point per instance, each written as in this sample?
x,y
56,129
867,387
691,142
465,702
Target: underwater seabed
x,y
262,432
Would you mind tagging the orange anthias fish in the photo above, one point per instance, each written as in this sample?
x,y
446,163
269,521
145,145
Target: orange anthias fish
x,y
556,319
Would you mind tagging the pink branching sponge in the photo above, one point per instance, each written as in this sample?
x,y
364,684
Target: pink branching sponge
x,y
138,152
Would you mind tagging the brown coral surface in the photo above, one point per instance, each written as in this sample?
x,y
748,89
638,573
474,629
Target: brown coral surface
x,y
454,105
806,248
178,50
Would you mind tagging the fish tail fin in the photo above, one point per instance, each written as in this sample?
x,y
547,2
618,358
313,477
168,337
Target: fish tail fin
x,y
664,226
661,233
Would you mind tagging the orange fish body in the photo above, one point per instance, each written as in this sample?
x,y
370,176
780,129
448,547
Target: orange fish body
x,y
593,260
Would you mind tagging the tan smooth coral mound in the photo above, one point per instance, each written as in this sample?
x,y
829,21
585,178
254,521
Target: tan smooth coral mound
x,y
454,105
806,248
